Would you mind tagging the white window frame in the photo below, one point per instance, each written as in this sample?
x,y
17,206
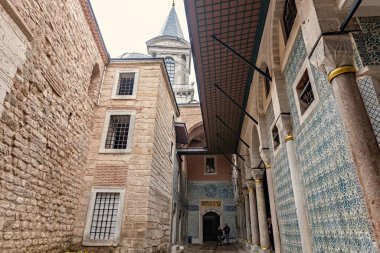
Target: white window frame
x,y
90,211
132,115
215,166
310,109
116,81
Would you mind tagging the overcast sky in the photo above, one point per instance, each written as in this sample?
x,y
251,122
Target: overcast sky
x,y
127,24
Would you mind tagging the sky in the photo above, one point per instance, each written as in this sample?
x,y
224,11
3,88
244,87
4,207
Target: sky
x,y
127,24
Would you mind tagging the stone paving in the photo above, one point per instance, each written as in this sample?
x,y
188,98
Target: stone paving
x,y
213,248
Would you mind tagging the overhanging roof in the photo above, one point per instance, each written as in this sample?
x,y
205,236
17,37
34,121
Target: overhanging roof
x,y
182,137
239,24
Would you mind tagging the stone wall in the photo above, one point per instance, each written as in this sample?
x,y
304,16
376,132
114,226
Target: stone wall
x,y
46,121
145,172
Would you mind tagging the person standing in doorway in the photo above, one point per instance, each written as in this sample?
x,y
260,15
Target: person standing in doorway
x,y
220,236
226,230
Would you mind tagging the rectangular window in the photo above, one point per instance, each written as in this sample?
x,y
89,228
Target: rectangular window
x,y
305,92
290,14
125,84
117,132
104,216
117,135
210,167
275,137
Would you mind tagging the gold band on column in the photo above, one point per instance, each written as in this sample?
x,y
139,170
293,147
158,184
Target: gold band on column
x,y
258,180
289,138
341,70
268,166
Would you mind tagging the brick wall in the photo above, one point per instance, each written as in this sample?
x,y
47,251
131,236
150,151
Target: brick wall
x,y
46,121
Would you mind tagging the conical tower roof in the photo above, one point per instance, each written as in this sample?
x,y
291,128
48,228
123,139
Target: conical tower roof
x,y
172,26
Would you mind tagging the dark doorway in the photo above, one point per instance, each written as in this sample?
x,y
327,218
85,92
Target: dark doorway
x,y
211,222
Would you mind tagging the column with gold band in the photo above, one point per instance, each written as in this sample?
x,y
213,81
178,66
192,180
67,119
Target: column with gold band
x,y
253,213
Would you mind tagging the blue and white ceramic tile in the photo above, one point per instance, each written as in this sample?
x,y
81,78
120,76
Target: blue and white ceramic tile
x,y
368,40
337,214
203,190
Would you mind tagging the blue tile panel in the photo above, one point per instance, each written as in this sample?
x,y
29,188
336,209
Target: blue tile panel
x,y
368,40
372,104
335,204
286,209
204,190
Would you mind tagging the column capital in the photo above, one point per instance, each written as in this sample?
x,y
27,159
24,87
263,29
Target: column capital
x,y
284,124
265,155
250,184
332,53
257,174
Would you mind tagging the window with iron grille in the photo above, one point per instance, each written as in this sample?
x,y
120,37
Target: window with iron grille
x,y
275,137
290,13
267,83
104,216
305,92
125,84
170,66
117,134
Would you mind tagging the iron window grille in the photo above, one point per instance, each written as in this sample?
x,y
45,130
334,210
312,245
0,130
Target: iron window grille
x,y
305,92
267,83
275,137
117,134
125,84
290,13
103,222
170,66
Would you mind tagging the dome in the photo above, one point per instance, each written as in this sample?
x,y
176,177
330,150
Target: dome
x,y
127,55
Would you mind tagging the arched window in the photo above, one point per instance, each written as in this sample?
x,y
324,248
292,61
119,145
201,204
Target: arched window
x,y
170,66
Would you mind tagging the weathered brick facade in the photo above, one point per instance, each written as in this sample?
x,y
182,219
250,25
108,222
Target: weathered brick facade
x,y
48,53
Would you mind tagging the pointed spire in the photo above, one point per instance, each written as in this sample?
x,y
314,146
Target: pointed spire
x,y
172,26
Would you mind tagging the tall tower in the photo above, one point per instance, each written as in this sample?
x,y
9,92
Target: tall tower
x,y
172,46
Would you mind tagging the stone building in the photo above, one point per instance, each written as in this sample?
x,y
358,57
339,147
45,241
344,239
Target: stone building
x,y
171,45
95,153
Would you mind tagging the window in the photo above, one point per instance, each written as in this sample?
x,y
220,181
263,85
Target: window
x,y
275,137
117,132
290,13
170,66
125,84
104,217
267,83
305,92
210,168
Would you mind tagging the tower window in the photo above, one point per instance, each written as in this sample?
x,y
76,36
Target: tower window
x,y
170,66
125,84
267,83
290,13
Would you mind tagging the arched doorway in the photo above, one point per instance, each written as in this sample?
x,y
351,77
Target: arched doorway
x,y
211,222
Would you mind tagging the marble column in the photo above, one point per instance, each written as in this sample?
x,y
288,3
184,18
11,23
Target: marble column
x,y
284,125
253,214
258,175
268,169
247,215
239,218
334,55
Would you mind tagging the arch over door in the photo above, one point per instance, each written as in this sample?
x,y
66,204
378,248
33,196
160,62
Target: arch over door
x,y
211,222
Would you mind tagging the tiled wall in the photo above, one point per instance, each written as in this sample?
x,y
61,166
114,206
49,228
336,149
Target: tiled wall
x,y
285,206
211,190
337,213
367,52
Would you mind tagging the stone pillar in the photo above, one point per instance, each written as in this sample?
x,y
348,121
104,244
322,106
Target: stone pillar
x,y
268,169
284,125
247,221
238,213
253,214
334,55
258,175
